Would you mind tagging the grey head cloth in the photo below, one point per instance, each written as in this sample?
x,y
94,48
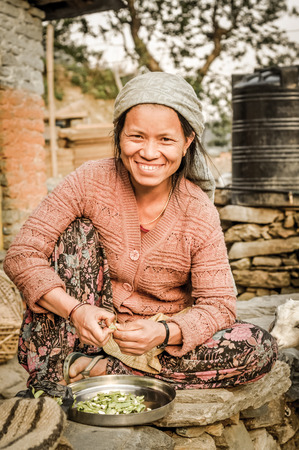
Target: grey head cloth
x,y
175,92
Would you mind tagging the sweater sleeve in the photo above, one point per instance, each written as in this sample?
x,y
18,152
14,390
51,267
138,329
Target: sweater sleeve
x,y
213,291
26,261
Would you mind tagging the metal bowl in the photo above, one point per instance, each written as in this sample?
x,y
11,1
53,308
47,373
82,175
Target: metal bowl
x,y
158,396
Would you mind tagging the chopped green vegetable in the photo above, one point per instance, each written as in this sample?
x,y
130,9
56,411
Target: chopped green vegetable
x,y
58,400
36,394
113,403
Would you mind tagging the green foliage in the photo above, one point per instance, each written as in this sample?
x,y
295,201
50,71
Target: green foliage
x,y
192,34
58,89
99,83
96,81
197,85
58,92
186,36
221,130
64,42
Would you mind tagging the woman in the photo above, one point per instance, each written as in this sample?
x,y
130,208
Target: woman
x,y
148,211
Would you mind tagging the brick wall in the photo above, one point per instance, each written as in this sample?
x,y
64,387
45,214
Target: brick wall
x,y
22,153
22,157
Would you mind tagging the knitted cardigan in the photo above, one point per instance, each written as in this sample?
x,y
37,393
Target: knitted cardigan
x,y
180,263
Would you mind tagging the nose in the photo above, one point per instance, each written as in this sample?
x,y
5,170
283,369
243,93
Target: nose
x,y
149,150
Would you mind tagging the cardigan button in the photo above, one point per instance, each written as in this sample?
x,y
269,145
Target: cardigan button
x,y
127,287
134,255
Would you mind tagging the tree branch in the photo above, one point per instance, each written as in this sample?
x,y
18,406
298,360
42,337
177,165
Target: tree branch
x,y
217,35
145,57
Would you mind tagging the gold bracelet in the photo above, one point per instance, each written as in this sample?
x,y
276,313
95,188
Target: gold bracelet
x,y
75,308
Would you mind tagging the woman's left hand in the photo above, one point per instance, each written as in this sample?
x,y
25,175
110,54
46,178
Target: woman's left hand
x,y
138,337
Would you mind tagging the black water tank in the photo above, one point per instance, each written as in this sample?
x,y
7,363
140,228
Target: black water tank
x,y
265,137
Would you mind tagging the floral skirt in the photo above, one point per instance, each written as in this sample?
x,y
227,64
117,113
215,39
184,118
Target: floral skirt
x,y
234,356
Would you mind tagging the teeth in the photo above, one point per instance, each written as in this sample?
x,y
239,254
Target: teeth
x,y
144,167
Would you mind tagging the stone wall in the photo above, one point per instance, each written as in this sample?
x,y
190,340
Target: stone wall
x,y
21,46
263,248
22,153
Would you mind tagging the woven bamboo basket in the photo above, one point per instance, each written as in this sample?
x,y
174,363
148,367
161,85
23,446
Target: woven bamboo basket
x,y
11,316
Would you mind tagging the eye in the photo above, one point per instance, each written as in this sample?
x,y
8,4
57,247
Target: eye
x,y
167,139
135,136
297,325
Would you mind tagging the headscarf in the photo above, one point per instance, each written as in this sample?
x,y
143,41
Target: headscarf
x,y
175,92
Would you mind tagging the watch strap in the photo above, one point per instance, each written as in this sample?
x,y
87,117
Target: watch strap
x,y
165,343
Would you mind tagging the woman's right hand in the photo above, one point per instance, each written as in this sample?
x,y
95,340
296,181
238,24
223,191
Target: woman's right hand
x,y
86,320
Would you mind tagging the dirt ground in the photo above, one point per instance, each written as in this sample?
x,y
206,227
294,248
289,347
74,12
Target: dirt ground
x,y
12,378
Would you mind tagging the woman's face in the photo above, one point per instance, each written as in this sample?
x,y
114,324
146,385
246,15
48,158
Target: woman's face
x,y
152,144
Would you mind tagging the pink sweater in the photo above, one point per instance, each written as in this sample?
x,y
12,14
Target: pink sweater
x,y
150,274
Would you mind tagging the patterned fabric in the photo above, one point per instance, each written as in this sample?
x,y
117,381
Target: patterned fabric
x,y
46,338
149,274
172,91
231,357
238,355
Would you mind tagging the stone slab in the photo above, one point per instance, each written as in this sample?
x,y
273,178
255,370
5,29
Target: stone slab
x,y
206,396
190,432
241,264
235,437
246,296
259,307
252,413
273,415
200,412
125,438
236,213
284,432
35,12
256,248
263,440
272,261
262,278
203,442
243,232
277,230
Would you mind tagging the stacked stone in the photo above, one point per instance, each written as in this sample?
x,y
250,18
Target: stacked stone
x,y
22,153
263,249
21,46
274,426
251,417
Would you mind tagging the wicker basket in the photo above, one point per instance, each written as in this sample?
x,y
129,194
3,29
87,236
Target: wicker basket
x,y
11,315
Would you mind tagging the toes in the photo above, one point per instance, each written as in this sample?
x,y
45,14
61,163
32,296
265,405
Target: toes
x,y
77,367
76,378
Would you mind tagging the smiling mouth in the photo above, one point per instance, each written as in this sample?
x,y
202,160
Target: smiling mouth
x,y
148,168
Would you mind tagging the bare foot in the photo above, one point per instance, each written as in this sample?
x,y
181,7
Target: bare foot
x,y
81,363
